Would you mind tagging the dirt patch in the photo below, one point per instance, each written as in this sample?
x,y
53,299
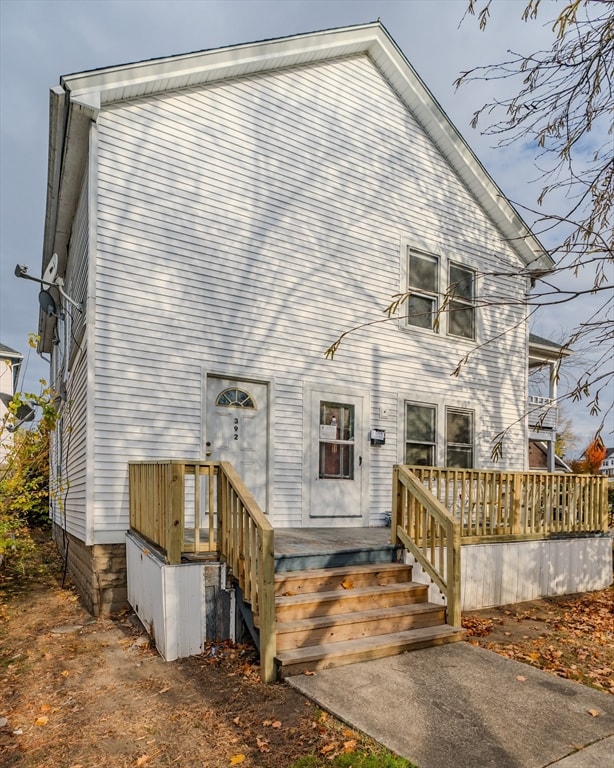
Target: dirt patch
x,y
77,692
570,636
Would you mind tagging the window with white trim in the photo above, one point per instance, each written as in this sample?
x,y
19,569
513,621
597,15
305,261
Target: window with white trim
x,y
420,434
461,308
459,438
423,433
235,398
423,287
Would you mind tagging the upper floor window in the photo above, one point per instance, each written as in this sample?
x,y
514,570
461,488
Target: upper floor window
x,y
423,286
461,314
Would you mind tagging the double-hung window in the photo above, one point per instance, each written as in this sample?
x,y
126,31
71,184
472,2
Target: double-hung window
x,y
459,438
420,434
423,288
461,314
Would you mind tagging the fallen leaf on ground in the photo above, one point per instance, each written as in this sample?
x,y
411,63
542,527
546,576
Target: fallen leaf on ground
x,y
522,678
236,759
593,712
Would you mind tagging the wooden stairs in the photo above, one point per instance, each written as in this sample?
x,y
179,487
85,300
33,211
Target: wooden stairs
x,y
327,617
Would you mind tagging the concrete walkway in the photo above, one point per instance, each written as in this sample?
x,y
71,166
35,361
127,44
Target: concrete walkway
x,y
459,706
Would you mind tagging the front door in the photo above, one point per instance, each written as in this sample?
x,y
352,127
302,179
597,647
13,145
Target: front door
x,y
237,426
337,458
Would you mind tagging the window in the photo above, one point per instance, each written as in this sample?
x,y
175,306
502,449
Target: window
x,y
459,438
461,315
235,398
423,286
420,434
336,440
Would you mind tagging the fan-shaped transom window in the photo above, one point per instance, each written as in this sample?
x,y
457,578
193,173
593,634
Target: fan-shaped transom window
x,y
235,398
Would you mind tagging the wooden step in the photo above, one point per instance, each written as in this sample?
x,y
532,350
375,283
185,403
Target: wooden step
x,y
292,607
347,577
351,626
310,658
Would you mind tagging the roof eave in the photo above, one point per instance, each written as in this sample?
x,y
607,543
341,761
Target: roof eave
x,y
79,97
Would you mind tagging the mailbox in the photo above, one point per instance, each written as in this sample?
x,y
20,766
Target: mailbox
x,y
377,436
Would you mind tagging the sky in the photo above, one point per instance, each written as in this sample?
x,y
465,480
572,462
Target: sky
x,y
40,40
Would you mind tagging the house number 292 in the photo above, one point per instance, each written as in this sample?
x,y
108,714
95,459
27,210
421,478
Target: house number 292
x,y
236,429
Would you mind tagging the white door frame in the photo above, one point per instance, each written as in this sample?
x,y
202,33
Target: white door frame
x,y
211,376
312,394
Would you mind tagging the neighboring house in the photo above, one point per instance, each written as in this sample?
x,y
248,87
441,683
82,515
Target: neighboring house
x,y
10,363
539,458
607,466
545,358
223,216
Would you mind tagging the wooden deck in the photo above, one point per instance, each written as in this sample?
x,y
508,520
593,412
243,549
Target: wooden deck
x,y
194,509
316,541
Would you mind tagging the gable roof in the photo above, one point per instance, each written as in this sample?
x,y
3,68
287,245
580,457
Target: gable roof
x,y
9,353
79,97
543,350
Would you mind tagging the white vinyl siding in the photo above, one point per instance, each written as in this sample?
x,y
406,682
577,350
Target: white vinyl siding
x,y
69,378
76,279
242,227
69,475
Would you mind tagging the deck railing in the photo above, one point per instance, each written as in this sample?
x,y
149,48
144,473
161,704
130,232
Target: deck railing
x,y
197,507
429,532
491,505
543,412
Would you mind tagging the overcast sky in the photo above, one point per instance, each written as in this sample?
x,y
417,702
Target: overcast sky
x,y
40,40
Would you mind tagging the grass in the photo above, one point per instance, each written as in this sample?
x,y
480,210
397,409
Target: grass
x,y
357,759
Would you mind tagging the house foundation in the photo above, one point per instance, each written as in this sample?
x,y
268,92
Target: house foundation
x,y
98,572
181,606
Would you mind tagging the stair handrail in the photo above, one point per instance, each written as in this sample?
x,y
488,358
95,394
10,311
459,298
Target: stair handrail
x,y
246,542
425,528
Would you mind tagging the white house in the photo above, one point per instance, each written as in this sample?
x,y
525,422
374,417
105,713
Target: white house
x,y
222,217
607,466
10,364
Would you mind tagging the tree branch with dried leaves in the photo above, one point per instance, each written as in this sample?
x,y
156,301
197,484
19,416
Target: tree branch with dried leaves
x,y
562,105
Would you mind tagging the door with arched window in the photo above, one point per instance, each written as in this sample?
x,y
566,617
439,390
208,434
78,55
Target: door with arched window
x,y
236,430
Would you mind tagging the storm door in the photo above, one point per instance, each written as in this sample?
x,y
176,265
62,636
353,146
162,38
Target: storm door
x,y
337,458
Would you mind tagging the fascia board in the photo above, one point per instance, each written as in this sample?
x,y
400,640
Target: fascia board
x,y
161,75
57,130
57,127
542,354
415,94
119,83
69,126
